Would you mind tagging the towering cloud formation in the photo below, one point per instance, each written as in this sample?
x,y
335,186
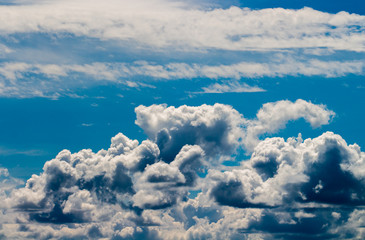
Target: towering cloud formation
x,y
172,186
215,128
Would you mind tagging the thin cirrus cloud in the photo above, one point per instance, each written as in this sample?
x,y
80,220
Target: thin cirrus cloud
x,y
113,71
25,80
230,87
169,23
4,151
142,190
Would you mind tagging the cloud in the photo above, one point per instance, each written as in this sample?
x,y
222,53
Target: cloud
x,y
162,184
281,172
294,176
174,127
215,128
160,24
21,79
29,152
274,116
230,87
7,184
134,43
145,190
4,50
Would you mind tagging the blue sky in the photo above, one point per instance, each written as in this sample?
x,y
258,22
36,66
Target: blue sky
x,y
74,74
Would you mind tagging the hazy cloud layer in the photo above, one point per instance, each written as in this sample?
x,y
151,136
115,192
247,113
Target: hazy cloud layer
x,y
91,43
19,79
162,23
172,186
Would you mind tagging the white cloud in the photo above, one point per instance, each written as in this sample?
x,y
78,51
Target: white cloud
x,y
5,151
168,23
139,190
230,87
172,127
283,42
43,80
274,116
282,171
4,50
7,185
215,128
4,172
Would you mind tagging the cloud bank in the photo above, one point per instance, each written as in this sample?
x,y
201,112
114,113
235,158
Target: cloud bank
x,y
174,24
174,185
84,44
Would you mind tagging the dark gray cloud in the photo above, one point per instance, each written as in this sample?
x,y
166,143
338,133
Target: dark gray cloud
x,y
173,186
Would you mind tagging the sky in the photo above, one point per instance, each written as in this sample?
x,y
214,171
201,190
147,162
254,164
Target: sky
x,y
185,119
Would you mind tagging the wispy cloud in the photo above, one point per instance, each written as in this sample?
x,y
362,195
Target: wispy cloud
x,y
12,151
4,50
310,43
115,71
29,80
231,87
169,23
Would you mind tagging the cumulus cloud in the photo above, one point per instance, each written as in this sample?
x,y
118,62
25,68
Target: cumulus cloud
x,y
297,175
273,117
280,171
7,184
160,24
162,184
312,188
215,128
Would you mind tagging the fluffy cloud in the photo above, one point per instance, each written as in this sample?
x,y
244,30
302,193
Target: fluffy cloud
x,y
309,177
162,184
215,128
316,170
273,116
172,186
218,128
7,184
